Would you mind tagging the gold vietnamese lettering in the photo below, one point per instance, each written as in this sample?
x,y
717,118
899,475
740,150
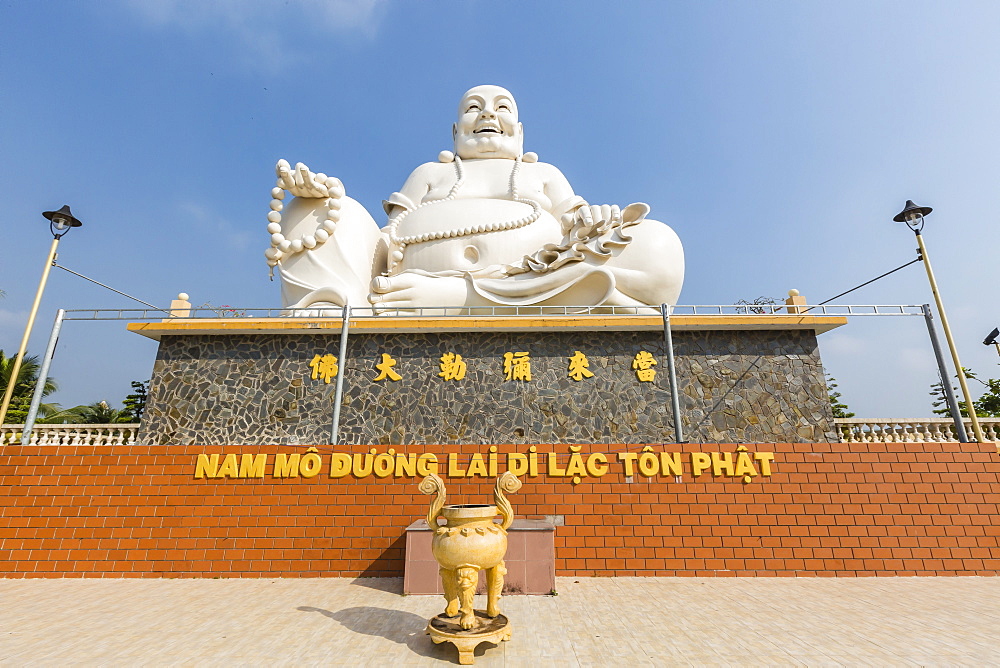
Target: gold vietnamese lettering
x,y
286,466
722,463
517,464
340,465
477,467
744,465
575,468
700,462
249,466
384,464
649,462
454,470
764,459
670,464
628,459
310,463
206,466
252,466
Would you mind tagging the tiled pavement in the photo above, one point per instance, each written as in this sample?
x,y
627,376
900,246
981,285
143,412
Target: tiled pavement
x,y
593,621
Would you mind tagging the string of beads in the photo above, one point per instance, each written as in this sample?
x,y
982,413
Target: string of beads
x,y
399,244
280,246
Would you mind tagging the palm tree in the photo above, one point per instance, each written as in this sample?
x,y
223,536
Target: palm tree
x,y
99,413
27,376
24,387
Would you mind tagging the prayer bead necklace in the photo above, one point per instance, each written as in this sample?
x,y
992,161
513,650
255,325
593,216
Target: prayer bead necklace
x,y
399,243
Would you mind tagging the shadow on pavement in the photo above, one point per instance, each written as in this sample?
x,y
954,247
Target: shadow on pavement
x,y
398,626
389,585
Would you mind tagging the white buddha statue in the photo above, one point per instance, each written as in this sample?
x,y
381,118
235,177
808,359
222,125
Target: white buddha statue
x,y
487,225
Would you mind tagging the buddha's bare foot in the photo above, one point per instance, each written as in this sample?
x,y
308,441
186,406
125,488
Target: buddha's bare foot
x,y
410,290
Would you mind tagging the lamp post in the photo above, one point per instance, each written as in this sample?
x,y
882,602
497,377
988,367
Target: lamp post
x,y
913,216
60,222
991,339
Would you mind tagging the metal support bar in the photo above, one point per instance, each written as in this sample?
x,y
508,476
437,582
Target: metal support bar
x,y
949,394
43,373
675,402
339,392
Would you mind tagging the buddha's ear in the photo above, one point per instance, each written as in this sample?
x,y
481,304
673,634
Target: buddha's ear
x,y
520,137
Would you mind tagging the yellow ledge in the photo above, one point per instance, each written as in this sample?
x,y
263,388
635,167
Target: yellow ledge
x,y
423,324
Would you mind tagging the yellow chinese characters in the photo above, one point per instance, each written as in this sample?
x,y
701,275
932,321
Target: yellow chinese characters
x,y
385,367
517,366
453,367
643,364
578,364
324,366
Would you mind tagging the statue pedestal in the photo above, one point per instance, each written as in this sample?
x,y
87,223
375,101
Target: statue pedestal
x,y
446,629
742,379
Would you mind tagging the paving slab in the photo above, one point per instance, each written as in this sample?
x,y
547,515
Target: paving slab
x,y
591,622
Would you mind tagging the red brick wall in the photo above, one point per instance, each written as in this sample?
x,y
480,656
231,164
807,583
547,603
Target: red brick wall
x,y
828,509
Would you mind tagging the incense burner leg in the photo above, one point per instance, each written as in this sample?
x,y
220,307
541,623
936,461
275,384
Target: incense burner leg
x,y
449,580
468,578
494,586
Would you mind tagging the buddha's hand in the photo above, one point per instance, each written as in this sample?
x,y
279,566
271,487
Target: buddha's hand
x,y
303,183
596,217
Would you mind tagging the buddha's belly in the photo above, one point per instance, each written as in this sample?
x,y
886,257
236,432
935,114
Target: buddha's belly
x,y
469,252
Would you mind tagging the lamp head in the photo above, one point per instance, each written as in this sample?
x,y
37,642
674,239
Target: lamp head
x,y
912,215
61,221
991,338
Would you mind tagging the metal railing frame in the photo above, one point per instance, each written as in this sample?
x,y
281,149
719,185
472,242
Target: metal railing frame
x,y
335,313
345,314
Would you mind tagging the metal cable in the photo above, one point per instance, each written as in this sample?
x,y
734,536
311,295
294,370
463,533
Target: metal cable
x,y
918,259
123,294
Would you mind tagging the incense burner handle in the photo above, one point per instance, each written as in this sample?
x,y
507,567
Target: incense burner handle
x,y
433,485
508,483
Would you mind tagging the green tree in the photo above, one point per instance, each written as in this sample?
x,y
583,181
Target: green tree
x,y
840,409
135,403
987,405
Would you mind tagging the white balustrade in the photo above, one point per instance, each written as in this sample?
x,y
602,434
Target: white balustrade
x,y
851,430
906,430
71,434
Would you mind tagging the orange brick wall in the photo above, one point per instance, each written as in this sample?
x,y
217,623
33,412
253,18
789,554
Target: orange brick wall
x,y
828,509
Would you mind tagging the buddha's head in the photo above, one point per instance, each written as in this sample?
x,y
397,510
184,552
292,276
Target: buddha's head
x,y
487,125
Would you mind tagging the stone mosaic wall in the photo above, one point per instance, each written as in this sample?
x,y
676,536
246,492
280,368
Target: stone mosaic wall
x,y
736,386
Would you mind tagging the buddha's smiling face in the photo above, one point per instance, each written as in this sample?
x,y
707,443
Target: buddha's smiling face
x,y
487,125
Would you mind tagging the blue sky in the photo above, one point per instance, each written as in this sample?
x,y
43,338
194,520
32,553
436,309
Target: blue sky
x,y
777,138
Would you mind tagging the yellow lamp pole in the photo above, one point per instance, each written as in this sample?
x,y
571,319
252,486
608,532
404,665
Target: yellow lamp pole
x,y
913,216
60,222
